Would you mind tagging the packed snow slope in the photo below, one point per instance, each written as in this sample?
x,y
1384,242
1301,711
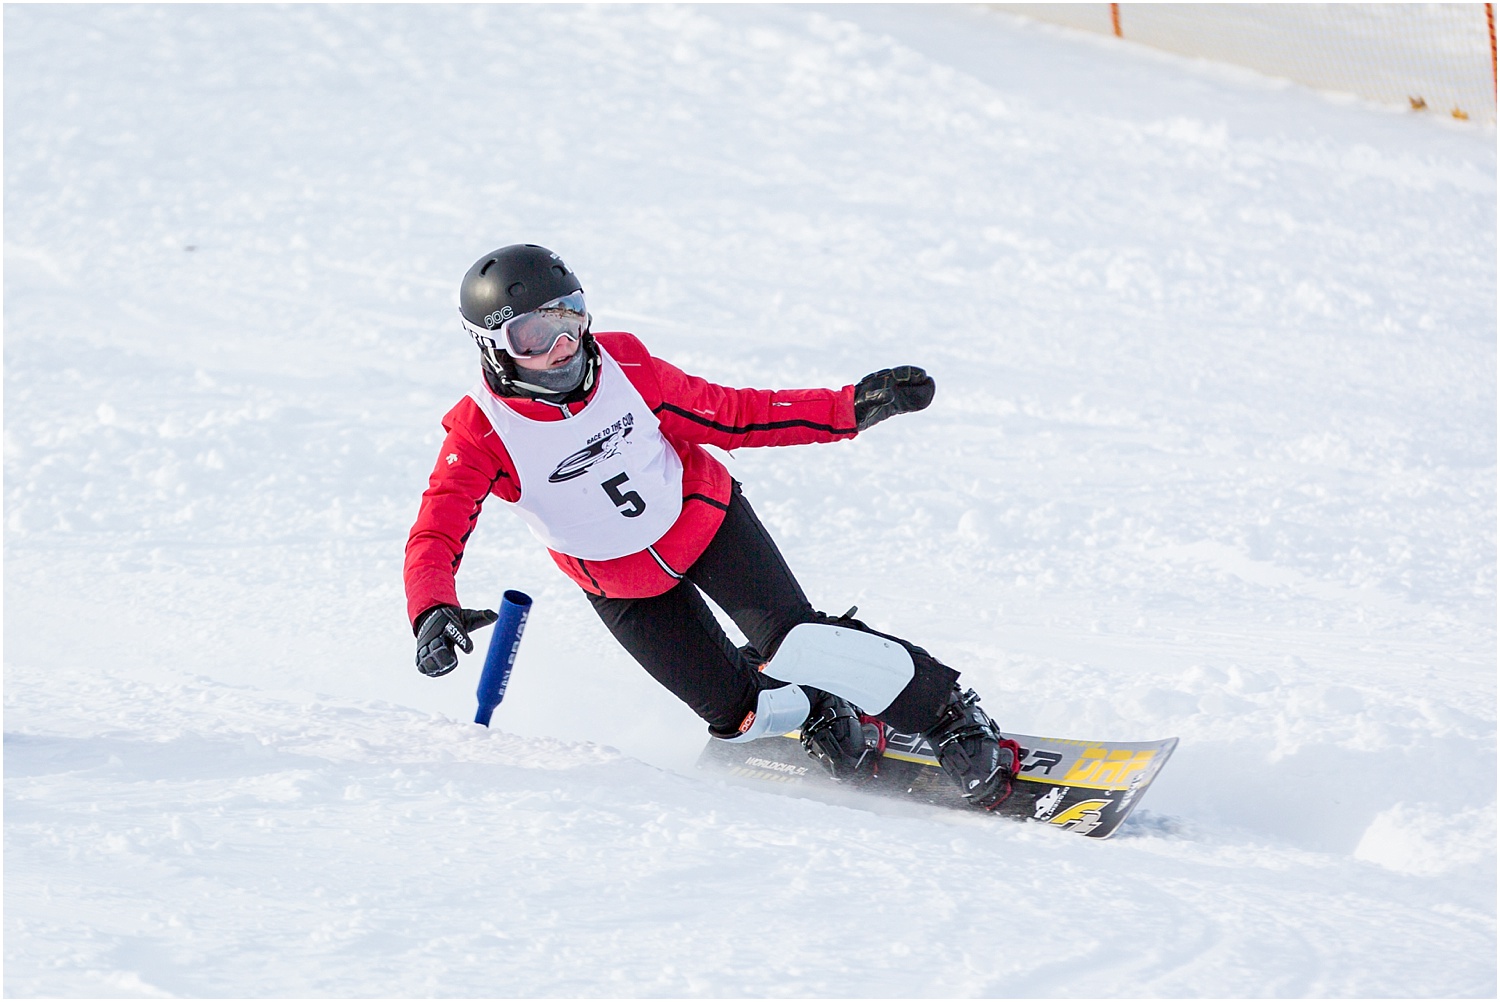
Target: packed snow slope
x,y
1212,455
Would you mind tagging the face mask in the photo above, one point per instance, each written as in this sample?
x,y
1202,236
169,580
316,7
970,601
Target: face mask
x,y
563,379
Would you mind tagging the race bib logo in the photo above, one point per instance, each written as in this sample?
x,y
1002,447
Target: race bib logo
x,y
601,446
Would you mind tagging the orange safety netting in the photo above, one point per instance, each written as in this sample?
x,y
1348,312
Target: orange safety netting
x,y
1437,57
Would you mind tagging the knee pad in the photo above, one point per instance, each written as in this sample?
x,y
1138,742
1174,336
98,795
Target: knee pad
x,y
866,668
776,712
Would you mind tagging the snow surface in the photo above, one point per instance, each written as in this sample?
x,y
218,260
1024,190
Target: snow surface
x,y
1213,455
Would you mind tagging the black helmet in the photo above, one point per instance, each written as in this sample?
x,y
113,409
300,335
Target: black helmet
x,y
513,280
506,283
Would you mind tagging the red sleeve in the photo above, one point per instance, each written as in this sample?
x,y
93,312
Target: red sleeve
x,y
471,465
694,410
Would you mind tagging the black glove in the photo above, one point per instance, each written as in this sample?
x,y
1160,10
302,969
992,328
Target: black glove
x,y
891,391
442,627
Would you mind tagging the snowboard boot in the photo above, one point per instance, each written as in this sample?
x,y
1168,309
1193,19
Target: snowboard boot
x,y
972,752
839,739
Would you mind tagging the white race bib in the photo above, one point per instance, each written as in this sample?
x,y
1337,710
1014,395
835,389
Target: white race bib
x,y
599,484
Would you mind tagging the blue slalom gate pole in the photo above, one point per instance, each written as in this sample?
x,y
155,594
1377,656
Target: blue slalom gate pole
x,y
515,606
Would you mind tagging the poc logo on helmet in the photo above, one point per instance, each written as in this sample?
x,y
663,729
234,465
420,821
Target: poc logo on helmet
x,y
499,317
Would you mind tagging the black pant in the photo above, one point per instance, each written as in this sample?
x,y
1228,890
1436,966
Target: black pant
x,y
675,637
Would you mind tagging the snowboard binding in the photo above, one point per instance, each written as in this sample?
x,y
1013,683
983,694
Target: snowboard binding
x,y
839,738
972,751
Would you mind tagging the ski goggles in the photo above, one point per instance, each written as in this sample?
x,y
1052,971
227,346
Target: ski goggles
x,y
528,335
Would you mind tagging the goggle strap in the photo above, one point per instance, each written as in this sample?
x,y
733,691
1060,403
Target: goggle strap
x,y
486,338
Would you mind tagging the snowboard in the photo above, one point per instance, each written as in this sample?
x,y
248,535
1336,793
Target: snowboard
x,y
1085,787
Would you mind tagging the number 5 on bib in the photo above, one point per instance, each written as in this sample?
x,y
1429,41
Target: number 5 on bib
x,y
629,502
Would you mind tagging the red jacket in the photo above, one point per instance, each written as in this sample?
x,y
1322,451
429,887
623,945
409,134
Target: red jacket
x,y
473,464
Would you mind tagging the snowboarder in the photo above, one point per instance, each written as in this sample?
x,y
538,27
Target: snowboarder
x,y
598,445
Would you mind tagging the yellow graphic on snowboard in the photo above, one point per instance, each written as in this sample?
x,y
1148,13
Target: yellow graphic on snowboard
x,y
1082,818
1098,768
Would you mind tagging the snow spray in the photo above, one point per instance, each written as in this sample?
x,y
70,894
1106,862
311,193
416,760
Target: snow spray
x,y
515,606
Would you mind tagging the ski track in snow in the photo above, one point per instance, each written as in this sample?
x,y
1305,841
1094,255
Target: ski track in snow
x,y
1213,455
